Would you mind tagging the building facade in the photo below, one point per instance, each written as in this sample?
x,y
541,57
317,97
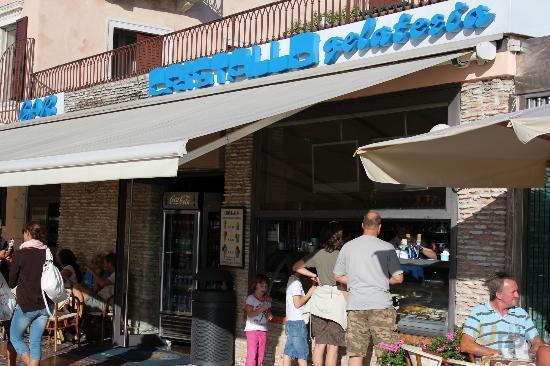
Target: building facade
x,y
293,175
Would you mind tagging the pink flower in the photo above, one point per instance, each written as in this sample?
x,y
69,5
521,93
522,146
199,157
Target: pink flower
x,y
393,348
450,336
440,349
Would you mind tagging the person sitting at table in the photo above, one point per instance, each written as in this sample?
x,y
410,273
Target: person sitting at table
x,y
488,327
95,268
97,301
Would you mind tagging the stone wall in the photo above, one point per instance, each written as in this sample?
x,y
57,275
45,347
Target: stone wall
x,y
88,218
482,213
105,94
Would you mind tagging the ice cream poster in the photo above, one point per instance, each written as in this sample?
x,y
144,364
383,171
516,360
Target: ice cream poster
x,y
231,241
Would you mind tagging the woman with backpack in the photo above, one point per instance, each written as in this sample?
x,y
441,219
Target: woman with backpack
x,y
26,274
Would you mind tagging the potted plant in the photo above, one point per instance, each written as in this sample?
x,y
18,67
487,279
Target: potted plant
x,y
391,9
446,347
382,10
392,354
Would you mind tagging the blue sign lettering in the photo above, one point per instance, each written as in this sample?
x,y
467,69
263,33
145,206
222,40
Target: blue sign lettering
x,y
240,64
40,107
247,63
405,29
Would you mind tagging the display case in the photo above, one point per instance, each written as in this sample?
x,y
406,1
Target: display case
x,y
422,301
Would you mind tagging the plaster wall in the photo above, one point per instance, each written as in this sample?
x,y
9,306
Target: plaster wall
x,y
67,30
504,66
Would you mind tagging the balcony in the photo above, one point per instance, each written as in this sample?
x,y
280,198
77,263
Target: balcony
x,y
274,21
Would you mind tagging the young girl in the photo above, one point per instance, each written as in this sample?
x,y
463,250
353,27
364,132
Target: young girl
x,y
258,312
296,345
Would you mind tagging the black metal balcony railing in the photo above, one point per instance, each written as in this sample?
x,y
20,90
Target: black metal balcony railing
x,y
16,66
260,25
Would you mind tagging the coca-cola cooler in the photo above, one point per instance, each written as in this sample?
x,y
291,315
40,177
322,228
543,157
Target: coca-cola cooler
x,y
179,262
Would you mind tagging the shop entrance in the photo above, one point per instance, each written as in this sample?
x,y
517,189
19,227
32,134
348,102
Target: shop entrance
x,y
171,229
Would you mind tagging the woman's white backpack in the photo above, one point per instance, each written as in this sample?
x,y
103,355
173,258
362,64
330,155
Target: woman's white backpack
x,y
52,282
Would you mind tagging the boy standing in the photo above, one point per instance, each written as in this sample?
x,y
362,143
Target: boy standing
x,y
295,328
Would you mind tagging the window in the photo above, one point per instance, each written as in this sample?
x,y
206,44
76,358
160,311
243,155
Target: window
x,y
309,164
128,61
533,102
307,176
7,35
144,57
424,296
43,206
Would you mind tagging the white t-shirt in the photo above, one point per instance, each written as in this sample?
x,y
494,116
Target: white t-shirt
x,y
259,322
293,288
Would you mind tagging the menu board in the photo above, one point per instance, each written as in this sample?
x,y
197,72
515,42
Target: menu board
x,y
232,241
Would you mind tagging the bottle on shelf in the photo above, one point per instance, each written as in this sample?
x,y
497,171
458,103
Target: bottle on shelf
x,y
418,245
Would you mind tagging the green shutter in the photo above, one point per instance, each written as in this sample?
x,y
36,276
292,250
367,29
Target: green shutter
x,y
537,254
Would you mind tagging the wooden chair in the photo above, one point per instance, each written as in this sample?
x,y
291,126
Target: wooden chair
x,y
417,357
61,321
105,316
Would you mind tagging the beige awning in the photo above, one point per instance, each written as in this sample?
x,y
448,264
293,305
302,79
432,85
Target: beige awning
x,y
508,150
147,138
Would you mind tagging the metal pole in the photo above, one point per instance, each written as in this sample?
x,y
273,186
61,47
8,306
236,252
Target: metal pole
x,y
126,336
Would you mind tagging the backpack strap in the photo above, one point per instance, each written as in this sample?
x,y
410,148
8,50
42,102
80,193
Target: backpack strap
x,y
46,304
49,256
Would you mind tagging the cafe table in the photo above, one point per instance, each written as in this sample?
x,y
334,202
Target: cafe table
x,y
507,362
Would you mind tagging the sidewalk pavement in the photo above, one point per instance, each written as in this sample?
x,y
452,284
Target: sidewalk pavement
x,y
91,354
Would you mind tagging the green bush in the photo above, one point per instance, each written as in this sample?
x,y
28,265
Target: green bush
x,y
331,18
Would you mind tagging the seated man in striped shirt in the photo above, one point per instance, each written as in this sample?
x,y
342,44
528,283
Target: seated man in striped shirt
x,y
487,330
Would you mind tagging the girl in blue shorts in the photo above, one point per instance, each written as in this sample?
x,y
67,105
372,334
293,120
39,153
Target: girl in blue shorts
x,y
296,345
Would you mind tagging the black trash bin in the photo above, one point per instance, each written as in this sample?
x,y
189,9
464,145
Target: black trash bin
x,y
213,323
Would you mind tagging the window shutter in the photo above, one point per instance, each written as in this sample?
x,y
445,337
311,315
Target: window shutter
x,y
148,52
20,59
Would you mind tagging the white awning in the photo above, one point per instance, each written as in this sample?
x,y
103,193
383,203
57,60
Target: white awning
x,y
507,150
147,138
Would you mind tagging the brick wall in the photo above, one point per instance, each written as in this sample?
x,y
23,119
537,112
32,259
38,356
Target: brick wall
x,y
88,218
88,223
481,212
238,192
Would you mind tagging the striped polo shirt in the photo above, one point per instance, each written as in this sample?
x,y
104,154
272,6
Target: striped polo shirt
x,y
490,329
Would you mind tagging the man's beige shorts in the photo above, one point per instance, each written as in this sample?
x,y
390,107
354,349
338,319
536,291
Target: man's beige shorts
x,y
362,324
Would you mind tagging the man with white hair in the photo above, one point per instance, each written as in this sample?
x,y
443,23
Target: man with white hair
x,y
488,328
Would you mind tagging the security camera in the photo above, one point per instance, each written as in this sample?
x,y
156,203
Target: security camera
x,y
460,62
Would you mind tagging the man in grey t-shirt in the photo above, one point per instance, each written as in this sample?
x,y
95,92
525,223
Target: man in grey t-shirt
x,y
368,266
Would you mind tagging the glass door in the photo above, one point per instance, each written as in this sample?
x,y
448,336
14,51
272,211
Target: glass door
x,y
178,261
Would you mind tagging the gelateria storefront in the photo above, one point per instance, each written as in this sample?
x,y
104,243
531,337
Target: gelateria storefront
x,y
306,179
